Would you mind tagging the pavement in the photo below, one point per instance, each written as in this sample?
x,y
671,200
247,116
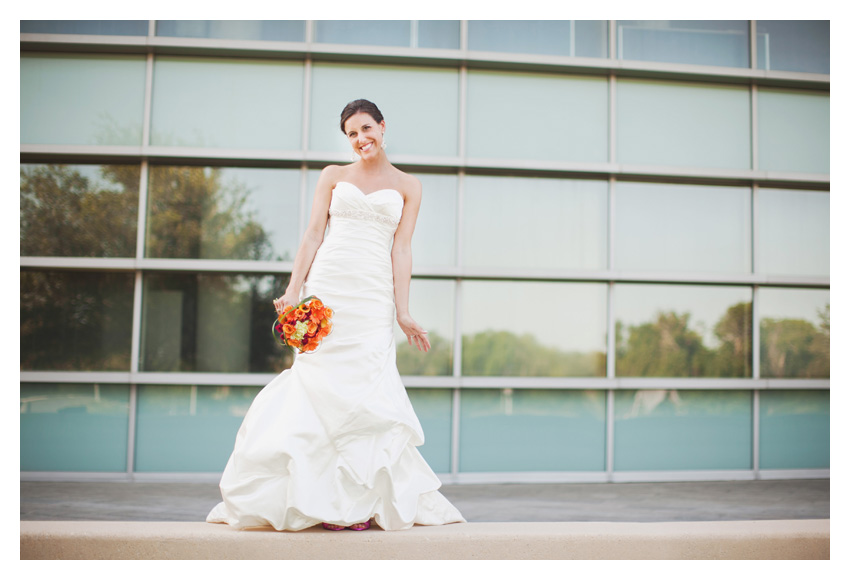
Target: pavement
x,y
713,501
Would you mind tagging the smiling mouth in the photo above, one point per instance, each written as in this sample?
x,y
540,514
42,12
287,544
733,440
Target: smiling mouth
x,y
366,147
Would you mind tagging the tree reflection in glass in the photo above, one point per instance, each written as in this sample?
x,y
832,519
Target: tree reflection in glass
x,y
683,331
794,330
211,323
534,329
222,213
79,210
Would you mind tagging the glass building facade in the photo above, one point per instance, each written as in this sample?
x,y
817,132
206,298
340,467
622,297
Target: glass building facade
x,y
622,254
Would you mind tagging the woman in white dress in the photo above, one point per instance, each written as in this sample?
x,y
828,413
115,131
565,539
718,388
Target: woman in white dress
x,y
333,439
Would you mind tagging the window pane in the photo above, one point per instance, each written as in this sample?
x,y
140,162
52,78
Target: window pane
x,y
223,213
211,323
526,36
76,321
434,409
233,103
592,38
587,38
188,428
668,330
74,427
794,429
793,45
434,240
532,430
794,326
432,305
793,130
683,124
364,32
79,210
544,329
667,430
567,122
429,98
702,42
286,30
793,232
514,222
82,100
682,228
105,27
438,33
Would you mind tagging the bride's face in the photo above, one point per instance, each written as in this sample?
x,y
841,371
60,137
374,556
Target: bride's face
x,y
364,134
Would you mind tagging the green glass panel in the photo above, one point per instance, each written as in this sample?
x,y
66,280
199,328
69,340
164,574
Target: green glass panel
x,y
74,427
438,34
793,45
434,409
82,100
682,228
549,329
794,333
100,27
516,222
364,32
674,330
683,124
568,120
273,30
402,94
794,430
432,306
793,131
532,430
434,240
79,210
229,103
224,213
211,323
793,232
672,430
700,42
76,321
188,428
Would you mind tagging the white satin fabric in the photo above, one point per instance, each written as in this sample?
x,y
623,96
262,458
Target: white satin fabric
x,y
333,439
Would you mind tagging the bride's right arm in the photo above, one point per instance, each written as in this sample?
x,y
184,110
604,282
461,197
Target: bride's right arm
x,y
312,239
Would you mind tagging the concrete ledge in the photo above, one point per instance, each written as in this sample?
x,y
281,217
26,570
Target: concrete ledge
x,y
744,540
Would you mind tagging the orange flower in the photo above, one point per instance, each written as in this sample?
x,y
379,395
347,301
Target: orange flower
x,y
328,313
288,329
312,327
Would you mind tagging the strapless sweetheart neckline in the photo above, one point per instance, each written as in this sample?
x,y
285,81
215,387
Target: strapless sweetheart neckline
x,y
371,193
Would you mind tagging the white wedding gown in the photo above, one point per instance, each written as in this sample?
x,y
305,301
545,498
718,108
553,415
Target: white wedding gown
x,y
333,439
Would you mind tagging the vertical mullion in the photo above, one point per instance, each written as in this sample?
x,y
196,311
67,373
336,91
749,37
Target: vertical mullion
x,y
131,430
414,34
612,119
464,35
572,37
756,429
754,126
609,435
753,45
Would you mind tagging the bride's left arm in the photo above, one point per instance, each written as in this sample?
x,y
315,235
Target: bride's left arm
x,y
403,265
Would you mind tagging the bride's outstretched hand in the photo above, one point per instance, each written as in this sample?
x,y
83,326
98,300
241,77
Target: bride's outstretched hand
x,y
416,335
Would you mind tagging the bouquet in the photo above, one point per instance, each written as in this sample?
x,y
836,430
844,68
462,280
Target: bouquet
x,y
303,326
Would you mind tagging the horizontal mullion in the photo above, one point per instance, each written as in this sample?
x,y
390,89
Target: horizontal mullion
x,y
432,272
436,382
473,166
403,55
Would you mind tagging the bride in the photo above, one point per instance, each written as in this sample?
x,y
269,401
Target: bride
x,y
333,439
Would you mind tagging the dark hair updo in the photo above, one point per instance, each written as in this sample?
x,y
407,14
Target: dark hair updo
x,y
359,106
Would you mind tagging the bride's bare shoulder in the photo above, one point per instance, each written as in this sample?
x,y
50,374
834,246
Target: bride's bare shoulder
x,y
410,186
